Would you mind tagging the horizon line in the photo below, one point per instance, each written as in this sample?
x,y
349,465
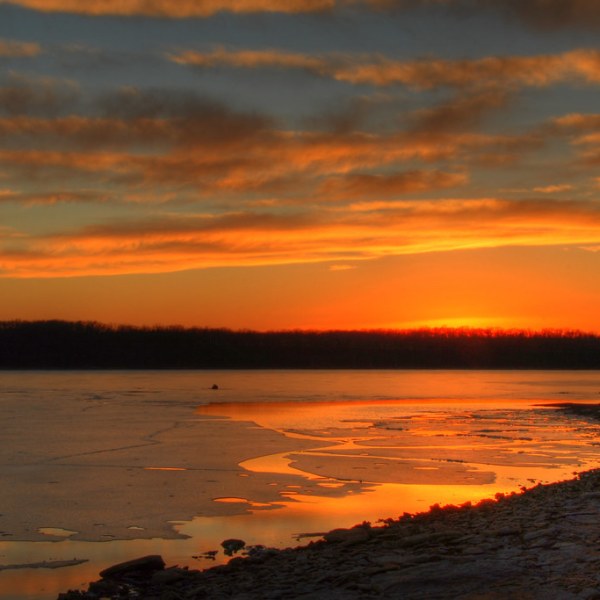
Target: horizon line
x,y
436,330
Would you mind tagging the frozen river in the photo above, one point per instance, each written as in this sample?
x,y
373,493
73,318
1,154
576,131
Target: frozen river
x,y
106,466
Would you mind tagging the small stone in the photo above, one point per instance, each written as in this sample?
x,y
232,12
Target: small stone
x,y
427,538
504,531
347,536
170,595
150,563
104,588
591,496
232,545
168,576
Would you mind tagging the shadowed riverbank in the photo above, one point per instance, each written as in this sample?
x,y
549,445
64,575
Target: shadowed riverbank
x,y
540,543
587,411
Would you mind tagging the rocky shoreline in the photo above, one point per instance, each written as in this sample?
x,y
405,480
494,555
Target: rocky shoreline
x,y
587,411
543,542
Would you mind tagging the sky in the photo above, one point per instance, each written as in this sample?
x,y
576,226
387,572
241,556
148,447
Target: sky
x,y
301,164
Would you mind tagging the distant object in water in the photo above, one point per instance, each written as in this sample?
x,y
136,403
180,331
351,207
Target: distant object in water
x,y
214,386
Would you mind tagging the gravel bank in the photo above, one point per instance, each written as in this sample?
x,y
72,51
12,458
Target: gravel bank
x,y
541,543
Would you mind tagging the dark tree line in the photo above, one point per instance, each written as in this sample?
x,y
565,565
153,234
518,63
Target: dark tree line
x,y
89,345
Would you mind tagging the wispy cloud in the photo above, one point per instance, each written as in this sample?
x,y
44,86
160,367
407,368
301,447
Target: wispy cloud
x,y
250,191
173,242
48,197
206,8
160,154
581,65
174,10
539,14
253,59
16,49
553,189
583,132
578,122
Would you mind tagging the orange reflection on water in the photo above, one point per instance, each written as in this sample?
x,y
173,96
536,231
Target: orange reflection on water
x,y
462,450
164,469
45,583
281,415
40,583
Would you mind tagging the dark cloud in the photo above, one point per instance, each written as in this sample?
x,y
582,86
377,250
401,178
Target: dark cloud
x,y
372,112
462,112
552,14
368,186
195,119
538,14
38,117
21,95
341,120
174,225
80,56
84,133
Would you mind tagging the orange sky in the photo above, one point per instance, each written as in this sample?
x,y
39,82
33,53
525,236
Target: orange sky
x,y
337,164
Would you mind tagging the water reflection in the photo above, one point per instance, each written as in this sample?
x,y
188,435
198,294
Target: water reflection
x,y
445,443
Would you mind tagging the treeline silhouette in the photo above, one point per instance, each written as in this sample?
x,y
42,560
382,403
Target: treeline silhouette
x,y
90,345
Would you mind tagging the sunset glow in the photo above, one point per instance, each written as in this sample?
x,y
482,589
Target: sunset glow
x,y
311,164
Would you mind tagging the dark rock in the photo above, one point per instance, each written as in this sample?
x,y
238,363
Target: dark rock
x,y
210,555
422,539
168,576
232,545
105,588
170,595
347,536
506,531
145,564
